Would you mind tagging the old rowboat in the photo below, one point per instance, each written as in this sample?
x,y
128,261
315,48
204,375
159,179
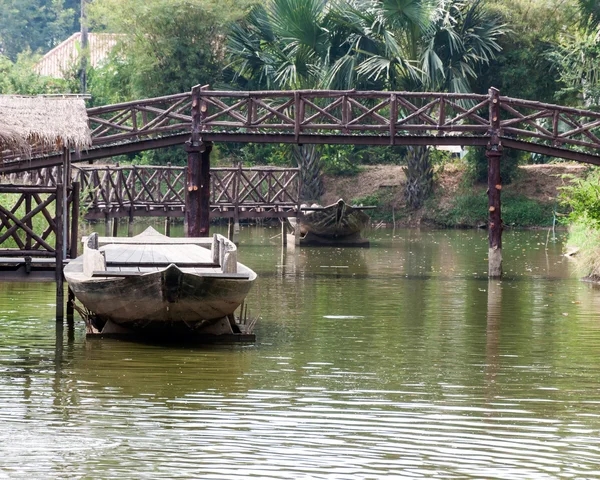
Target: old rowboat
x,y
337,223
159,284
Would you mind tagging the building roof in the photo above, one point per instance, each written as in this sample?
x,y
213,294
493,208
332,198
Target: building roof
x,y
45,123
62,57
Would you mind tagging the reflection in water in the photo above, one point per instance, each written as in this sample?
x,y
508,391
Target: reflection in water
x,y
398,361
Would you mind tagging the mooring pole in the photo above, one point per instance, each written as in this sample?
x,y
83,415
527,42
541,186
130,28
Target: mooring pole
x,y
197,192
60,225
494,154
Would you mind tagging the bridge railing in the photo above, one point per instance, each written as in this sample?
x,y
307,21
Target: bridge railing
x,y
151,190
140,119
334,116
318,112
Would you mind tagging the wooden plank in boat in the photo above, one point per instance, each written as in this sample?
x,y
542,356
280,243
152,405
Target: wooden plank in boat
x,y
164,264
134,257
205,242
119,253
226,276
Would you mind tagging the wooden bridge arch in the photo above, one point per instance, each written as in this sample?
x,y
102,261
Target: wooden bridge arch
x,y
202,116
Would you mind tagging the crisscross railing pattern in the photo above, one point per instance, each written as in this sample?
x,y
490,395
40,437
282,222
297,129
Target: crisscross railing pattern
x,y
30,225
332,116
150,190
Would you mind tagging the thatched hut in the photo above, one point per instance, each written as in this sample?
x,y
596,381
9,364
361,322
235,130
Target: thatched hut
x,y
43,123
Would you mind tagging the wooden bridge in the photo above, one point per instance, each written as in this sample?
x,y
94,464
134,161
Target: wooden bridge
x,y
236,193
333,117
198,118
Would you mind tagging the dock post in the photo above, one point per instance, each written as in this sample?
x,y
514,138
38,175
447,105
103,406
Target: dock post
x,y
230,229
130,223
73,243
283,232
107,225
115,227
60,295
197,192
494,154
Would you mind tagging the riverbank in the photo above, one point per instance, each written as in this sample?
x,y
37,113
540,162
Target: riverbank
x,y
529,201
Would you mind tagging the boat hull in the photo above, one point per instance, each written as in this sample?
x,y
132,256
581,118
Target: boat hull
x,y
163,299
334,221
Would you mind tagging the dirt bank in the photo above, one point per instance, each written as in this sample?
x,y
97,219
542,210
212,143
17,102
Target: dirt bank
x,y
540,183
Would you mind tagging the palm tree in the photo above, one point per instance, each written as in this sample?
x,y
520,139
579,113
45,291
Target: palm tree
x,y
282,45
446,41
377,44
303,44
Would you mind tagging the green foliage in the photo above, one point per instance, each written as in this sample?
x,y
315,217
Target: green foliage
x,y
582,199
585,237
385,201
259,154
340,160
477,164
35,25
578,62
171,46
19,78
471,210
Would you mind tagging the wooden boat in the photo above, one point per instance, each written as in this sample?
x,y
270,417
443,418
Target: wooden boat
x,y
159,284
338,223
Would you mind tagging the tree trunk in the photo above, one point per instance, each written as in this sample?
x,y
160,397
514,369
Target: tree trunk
x,y
308,159
419,176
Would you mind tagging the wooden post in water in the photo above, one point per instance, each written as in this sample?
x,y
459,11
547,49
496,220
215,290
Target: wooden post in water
x,y
130,223
74,241
167,226
494,154
230,229
283,232
197,192
59,219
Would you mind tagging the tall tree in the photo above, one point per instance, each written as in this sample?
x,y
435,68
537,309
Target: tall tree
x,y
447,41
167,47
35,25
286,44
383,44
578,56
170,46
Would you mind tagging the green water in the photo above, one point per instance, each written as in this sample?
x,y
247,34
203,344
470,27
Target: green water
x,y
397,361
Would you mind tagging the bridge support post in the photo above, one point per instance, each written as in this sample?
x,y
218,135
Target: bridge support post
x,y
495,217
197,193
494,155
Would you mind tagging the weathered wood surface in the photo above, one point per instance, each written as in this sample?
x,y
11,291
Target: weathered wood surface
x,y
40,205
494,155
161,191
143,288
343,117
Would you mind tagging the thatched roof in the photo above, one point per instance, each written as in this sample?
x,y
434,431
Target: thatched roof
x,y
43,123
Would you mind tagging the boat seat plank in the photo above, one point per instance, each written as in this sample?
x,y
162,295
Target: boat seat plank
x,y
164,264
226,276
204,242
157,254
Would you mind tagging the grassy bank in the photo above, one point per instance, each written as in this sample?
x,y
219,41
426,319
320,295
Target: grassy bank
x,y
471,210
531,200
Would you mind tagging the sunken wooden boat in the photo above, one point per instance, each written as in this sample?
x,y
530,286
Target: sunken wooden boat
x,y
338,223
153,284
